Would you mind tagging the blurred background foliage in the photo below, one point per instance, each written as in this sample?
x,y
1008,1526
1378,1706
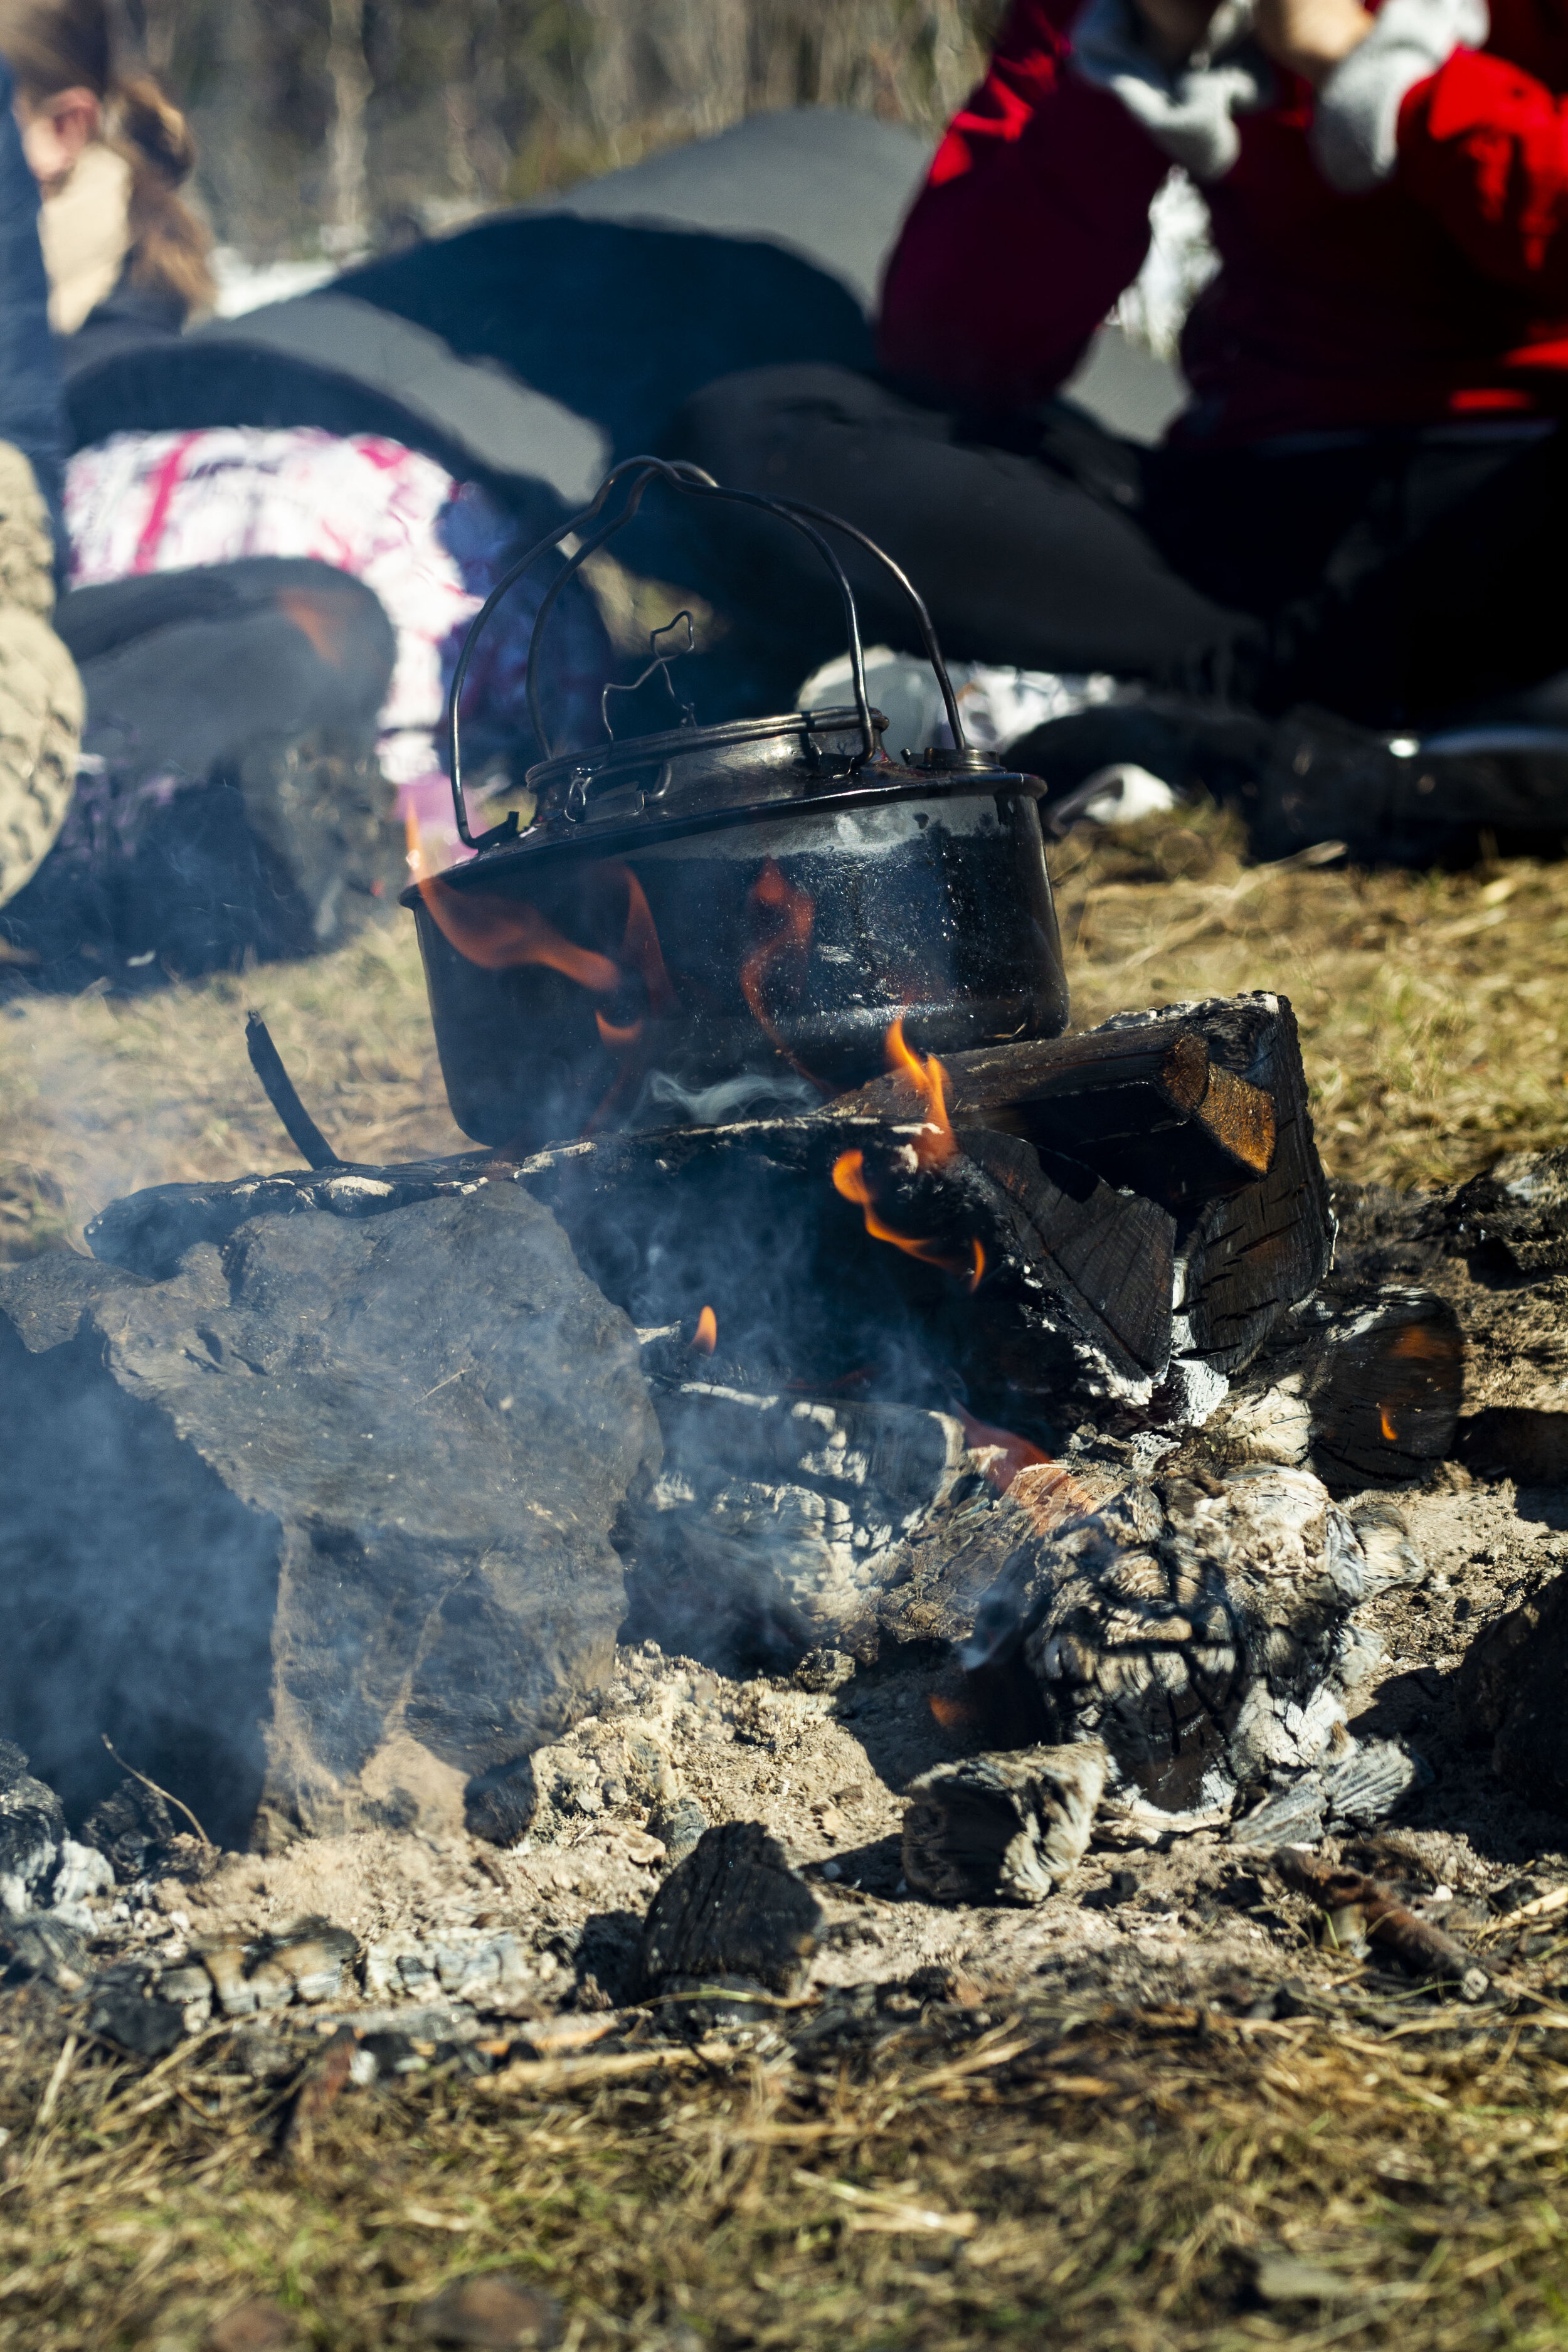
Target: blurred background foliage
x,y
346,126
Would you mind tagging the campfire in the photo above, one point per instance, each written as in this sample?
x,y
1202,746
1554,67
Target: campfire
x,y
816,1324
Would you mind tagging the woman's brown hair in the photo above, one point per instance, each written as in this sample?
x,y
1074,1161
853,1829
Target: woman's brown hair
x,y
53,46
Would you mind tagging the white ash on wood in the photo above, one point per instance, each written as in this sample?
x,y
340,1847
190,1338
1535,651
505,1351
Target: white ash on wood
x,y
1200,1628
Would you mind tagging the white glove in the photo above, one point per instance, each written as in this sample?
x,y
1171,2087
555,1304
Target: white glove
x,y
1189,111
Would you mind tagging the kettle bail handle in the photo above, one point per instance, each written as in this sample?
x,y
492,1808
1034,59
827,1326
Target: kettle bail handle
x,y
682,476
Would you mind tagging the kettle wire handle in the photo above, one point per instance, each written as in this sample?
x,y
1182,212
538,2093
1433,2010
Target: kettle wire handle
x,y
684,477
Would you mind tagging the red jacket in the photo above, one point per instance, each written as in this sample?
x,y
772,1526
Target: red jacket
x,y
1442,292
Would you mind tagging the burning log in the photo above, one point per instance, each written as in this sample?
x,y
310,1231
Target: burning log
x,y
1251,1254
1003,1828
1143,1105
1199,1629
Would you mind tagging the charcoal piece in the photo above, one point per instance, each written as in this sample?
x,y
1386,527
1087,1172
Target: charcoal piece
x,y
677,1827
43,1946
1514,1217
1197,1627
32,1832
134,1828
498,1805
125,2006
1002,1829
735,1908
340,1492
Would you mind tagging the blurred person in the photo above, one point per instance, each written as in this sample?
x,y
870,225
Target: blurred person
x,y
1358,510
109,152
265,618
40,696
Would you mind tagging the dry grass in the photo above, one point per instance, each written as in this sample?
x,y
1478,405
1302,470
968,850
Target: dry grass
x,y
1150,2181
1428,1005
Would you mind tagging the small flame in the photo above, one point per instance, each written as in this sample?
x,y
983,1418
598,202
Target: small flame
x,y
619,1041
1385,1420
952,1714
936,1141
706,1336
849,1179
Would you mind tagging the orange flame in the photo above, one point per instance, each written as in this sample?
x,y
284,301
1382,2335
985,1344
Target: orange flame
x,y
789,944
1385,1420
641,947
952,1714
619,1041
936,1141
496,935
849,1179
706,1336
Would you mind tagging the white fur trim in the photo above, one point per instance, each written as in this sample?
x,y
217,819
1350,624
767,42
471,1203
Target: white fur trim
x,y
1355,125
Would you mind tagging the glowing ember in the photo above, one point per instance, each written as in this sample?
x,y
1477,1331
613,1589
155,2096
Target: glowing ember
x,y
849,1179
1386,1422
1010,1453
706,1336
952,1714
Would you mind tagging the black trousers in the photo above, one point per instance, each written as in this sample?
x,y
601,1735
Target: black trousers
x,y
1398,578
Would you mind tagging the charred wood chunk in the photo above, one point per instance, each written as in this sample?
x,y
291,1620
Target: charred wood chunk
x,y
1200,1629
1252,1256
735,1908
1384,1380
1366,1386
1002,1829
1514,1218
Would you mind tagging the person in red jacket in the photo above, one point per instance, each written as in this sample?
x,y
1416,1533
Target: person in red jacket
x,y
1362,503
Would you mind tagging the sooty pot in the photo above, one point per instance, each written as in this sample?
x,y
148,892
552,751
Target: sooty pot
x,y
702,919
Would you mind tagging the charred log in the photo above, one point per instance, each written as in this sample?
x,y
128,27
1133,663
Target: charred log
x,y
1200,1629
1002,1829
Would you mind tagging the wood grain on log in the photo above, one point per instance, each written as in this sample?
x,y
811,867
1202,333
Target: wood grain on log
x,y
1005,1828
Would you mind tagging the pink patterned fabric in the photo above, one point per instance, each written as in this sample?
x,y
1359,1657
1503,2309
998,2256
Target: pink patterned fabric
x,y
430,547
